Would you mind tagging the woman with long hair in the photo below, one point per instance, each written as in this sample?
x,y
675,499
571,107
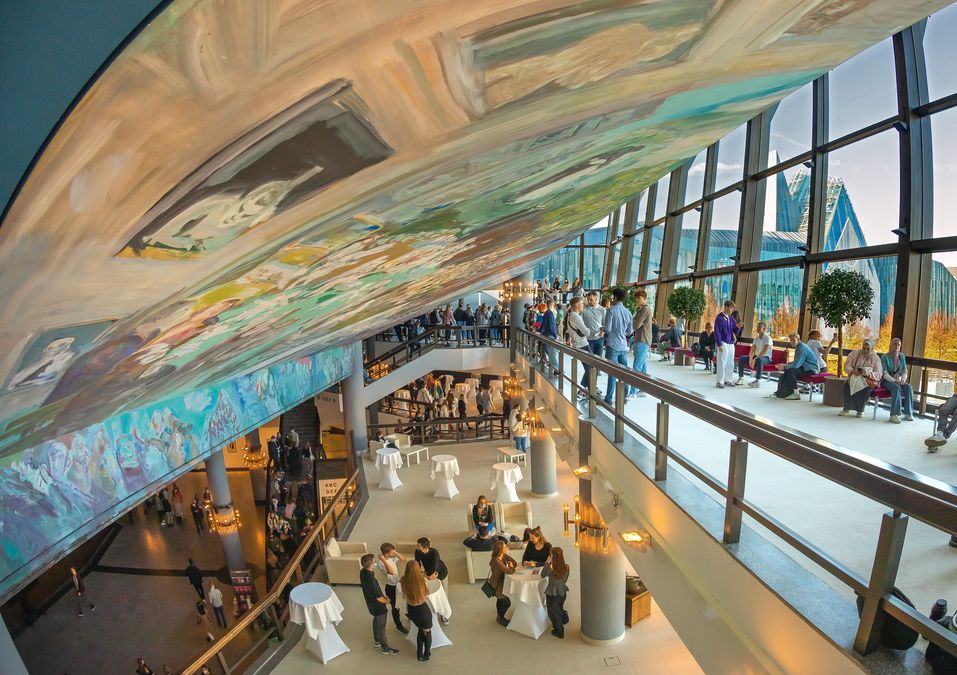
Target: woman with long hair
x,y
500,564
556,571
536,553
418,611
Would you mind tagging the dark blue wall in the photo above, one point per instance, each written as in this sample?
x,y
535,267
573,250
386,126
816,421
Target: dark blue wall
x,y
49,51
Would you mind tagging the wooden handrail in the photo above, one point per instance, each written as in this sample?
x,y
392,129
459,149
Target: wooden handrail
x,y
272,596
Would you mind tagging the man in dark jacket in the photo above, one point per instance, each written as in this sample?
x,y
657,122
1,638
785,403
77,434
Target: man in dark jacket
x,y
195,578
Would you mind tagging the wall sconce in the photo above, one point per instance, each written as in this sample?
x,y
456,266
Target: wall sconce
x,y
578,522
565,520
636,539
583,470
255,459
595,532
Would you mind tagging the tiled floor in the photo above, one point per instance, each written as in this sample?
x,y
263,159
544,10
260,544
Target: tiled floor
x,y
140,610
480,645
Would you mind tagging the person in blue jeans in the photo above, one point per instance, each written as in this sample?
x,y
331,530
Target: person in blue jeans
x,y
549,329
618,332
641,327
895,381
593,315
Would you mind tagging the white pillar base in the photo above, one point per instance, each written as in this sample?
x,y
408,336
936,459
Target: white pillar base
x,y
538,496
603,643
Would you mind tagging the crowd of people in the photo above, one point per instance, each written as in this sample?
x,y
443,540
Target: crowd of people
x,y
487,324
291,509
610,329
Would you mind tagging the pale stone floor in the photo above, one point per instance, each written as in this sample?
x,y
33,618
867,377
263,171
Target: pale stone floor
x,y
840,521
480,645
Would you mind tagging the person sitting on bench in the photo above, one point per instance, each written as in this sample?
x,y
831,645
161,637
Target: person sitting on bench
x,y
804,363
757,358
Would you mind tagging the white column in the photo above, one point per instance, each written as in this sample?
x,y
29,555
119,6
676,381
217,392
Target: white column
x,y
223,511
10,661
353,403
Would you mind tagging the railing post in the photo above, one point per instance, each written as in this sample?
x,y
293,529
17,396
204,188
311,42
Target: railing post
x,y
592,392
661,436
887,558
574,378
275,619
924,385
737,472
561,369
619,412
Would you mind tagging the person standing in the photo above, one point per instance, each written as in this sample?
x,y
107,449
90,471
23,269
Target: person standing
x,y
485,401
376,603
388,563
167,508
495,320
641,327
500,565
432,565
520,430
216,600
448,320
80,589
549,329
197,512
463,413
178,505
195,578
556,571
593,315
804,363
417,609
202,620
724,328
142,668
618,331
577,337
482,321
294,437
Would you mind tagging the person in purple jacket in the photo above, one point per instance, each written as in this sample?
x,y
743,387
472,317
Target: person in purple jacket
x,y
724,327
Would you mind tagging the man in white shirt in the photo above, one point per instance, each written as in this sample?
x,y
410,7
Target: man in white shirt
x,y
387,563
757,358
216,600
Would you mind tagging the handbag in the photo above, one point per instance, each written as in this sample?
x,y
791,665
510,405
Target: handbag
x,y
488,588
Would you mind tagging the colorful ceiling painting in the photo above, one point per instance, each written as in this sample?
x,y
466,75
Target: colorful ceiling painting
x,y
253,182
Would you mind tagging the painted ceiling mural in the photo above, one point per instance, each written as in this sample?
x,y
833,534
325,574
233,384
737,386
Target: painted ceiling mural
x,y
253,182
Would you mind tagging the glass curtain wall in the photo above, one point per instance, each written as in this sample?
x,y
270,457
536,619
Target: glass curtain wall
x,y
827,195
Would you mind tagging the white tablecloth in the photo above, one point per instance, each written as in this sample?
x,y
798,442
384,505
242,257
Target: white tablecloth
x,y
525,590
315,606
462,388
473,383
507,473
446,466
438,601
403,393
525,586
388,457
448,381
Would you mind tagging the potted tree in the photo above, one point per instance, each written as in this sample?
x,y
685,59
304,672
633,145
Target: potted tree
x,y
840,297
689,303
630,302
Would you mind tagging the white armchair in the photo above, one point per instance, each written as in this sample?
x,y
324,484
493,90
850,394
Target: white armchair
x,y
402,441
342,561
514,518
470,526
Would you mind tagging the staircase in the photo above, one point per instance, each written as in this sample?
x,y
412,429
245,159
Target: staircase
x,y
304,418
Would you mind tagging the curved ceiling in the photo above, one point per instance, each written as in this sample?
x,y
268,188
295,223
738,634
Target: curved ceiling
x,y
253,181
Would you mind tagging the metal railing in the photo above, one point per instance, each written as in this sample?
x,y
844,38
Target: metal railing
x,y
435,337
274,605
906,493
437,430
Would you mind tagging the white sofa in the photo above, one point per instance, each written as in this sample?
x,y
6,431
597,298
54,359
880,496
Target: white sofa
x,y
342,561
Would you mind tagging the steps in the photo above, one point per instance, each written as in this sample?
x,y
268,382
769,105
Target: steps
x,y
304,418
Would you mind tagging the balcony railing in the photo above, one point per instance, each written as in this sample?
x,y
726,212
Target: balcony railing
x,y
272,611
906,493
435,337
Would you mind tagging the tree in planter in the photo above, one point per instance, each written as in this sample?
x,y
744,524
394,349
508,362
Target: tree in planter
x,y
630,302
687,302
841,297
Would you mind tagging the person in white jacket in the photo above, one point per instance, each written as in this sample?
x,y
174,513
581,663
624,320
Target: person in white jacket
x,y
577,335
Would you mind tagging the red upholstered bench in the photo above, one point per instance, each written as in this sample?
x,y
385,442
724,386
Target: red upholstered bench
x,y
878,393
814,381
778,357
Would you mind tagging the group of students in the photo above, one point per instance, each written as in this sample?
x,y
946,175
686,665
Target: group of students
x,y
558,289
427,565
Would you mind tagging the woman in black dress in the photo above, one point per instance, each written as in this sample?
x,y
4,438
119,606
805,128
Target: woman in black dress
x,y
418,611
536,553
